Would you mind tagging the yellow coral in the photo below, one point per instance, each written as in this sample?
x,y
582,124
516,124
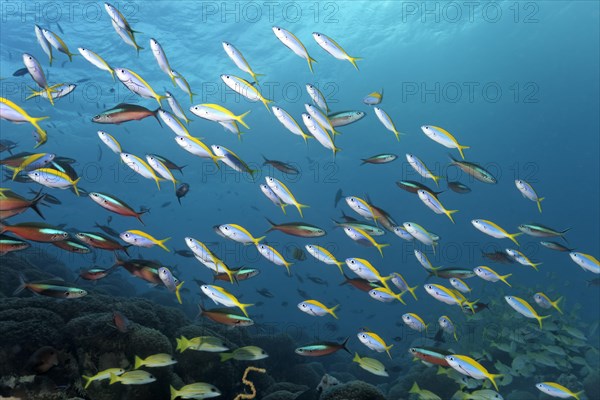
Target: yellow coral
x,y
245,381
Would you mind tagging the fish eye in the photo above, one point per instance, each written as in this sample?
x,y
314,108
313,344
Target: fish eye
x,y
213,390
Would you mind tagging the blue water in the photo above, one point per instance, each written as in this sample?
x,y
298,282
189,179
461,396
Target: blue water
x,y
518,82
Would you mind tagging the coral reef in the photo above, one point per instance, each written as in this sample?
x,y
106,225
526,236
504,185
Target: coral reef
x,y
353,390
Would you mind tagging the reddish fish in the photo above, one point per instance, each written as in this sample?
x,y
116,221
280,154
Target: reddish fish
x,y
124,113
112,203
36,231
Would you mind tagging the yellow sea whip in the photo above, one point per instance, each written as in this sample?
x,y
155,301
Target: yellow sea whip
x,y
245,381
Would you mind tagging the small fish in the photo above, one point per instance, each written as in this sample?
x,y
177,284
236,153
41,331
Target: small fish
x,y
521,258
414,187
217,113
448,326
161,59
170,282
434,204
297,229
181,191
379,159
140,166
317,309
586,261
421,234
199,390
116,205
289,122
524,308
176,107
320,133
246,89
363,238
201,343
430,355
96,60
226,316
9,244
322,349
415,322
265,293
374,342
443,137
183,84
343,118
421,168
330,46
124,112
236,56
284,194
281,166
239,234
493,230
135,377
156,360
539,230
544,301
529,192
13,113
102,375
137,85
273,256
468,366
21,72
460,285
556,246
57,43
44,359
49,290
232,160
423,394
196,147
247,353
399,281
294,44
458,187
72,246
490,275
371,365
161,169
474,170
373,98
142,239
221,296
498,256
556,390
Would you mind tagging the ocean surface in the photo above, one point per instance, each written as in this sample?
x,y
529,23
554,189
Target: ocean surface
x,y
517,82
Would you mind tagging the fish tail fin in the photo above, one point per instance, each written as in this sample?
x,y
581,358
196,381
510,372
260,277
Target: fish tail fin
x,y
22,285
384,280
240,119
49,94
412,291
535,265
283,207
160,98
449,214
3,227
16,172
270,223
266,103
397,134
287,266
138,362
311,60
539,203
503,279
345,345
415,388
225,356
455,336
35,202
387,350
255,76
399,297
113,379
555,304
174,393
161,243
112,73
215,159
356,358
460,150
70,55
180,344
75,186
258,239
177,291
340,264
513,236
540,318
87,380
139,215
492,378
155,114
300,207
332,310
436,179
470,304
243,308
353,60
576,395
306,137
380,246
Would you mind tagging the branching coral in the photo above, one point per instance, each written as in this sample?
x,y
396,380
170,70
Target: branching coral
x,y
245,381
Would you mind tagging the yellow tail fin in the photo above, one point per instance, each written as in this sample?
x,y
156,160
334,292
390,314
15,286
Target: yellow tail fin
x,y
353,60
240,119
460,150
539,203
161,243
138,362
513,236
449,214
332,311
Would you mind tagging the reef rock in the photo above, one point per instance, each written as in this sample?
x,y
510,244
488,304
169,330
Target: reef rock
x,y
353,390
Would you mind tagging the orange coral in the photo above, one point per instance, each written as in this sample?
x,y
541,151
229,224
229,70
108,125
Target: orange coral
x,y
245,381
